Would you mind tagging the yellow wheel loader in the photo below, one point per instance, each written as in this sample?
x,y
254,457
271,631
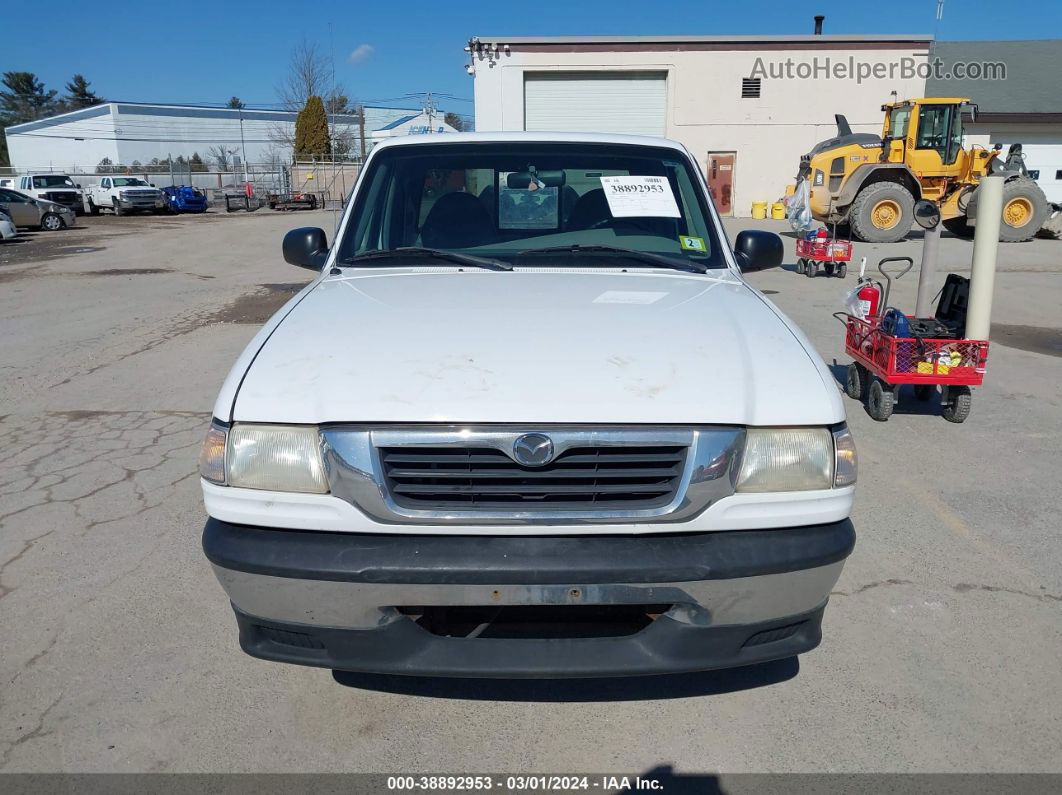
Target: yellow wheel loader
x,y
871,183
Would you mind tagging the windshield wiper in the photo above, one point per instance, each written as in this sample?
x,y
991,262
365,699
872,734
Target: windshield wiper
x,y
656,260
434,253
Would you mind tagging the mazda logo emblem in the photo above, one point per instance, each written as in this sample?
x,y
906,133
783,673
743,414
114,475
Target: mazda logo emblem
x,y
533,450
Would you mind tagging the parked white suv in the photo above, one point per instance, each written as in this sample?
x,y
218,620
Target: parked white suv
x,y
529,421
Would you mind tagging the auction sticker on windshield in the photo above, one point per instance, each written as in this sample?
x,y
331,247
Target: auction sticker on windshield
x,y
630,197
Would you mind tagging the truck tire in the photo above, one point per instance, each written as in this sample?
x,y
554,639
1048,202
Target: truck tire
x,y
1024,210
882,213
117,207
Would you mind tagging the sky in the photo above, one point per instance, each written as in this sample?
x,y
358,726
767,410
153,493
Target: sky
x,y
200,53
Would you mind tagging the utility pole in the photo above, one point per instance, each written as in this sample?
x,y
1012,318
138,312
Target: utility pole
x,y
361,132
429,110
243,148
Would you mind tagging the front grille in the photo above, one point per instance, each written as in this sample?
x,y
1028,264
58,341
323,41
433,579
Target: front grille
x,y
62,198
580,478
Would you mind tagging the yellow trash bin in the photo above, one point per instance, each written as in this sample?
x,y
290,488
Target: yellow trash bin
x,y
778,211
759,210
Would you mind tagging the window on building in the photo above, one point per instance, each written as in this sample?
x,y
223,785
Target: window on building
x,y
750,87
1058,174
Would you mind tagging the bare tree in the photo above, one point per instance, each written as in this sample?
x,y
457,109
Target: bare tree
x,y
310,75
221,157
307,76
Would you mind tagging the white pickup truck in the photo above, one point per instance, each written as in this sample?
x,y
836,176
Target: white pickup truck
x,y
57,188
124,195
529,420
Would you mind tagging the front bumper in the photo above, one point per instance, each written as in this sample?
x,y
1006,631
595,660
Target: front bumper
x,y
343,600
140,204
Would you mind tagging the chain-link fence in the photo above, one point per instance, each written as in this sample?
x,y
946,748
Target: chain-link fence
x,y
331,182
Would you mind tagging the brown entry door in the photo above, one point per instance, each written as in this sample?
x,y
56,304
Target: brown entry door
x,y
721,180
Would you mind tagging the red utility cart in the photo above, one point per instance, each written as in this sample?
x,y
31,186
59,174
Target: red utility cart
x,y
884,362
829,252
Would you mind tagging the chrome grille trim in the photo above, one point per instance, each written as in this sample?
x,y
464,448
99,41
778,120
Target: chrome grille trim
x,y
357,474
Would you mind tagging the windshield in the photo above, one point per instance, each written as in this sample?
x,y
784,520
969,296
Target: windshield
x,y
53,182
507,201
126,182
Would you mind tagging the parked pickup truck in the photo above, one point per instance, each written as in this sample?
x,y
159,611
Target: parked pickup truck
x,y
530,423
57,188
124,195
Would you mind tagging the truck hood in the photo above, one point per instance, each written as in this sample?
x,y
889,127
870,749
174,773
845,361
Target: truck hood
x,y
534,346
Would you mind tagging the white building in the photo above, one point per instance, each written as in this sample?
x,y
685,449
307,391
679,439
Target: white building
x,y
129,133
747,107
413,124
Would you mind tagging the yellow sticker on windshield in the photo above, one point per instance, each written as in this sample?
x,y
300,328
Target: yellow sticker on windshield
x,y
692,244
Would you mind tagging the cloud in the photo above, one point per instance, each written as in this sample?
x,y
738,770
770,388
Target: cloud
x,y
362,53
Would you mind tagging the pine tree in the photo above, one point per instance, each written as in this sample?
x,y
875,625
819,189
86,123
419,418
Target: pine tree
x,y
311,131
79,95
25,99
196,162
236,102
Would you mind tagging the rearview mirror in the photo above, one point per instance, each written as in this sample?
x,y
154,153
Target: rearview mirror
x,y
520,180
306,247
757,249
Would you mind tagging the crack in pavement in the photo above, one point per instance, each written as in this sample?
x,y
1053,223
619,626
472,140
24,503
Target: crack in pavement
x,y
35,733
962,587
55,479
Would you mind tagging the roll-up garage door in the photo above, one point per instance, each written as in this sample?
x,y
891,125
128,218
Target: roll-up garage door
x,y
607,102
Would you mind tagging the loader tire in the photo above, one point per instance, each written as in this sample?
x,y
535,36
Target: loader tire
x,y
882,213
1025,209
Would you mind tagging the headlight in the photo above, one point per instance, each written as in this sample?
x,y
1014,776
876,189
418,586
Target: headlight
x,y
271,457
793,459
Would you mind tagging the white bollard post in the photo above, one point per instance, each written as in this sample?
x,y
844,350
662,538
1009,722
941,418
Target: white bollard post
x,y
983,269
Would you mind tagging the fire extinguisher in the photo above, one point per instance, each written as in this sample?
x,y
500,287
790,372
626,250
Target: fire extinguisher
x,y
868,292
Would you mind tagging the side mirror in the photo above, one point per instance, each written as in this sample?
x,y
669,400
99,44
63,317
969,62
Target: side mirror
x,y
78,185
306,247
757,249
152,184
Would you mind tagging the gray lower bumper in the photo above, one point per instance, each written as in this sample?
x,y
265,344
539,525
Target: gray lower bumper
x,y
345,600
